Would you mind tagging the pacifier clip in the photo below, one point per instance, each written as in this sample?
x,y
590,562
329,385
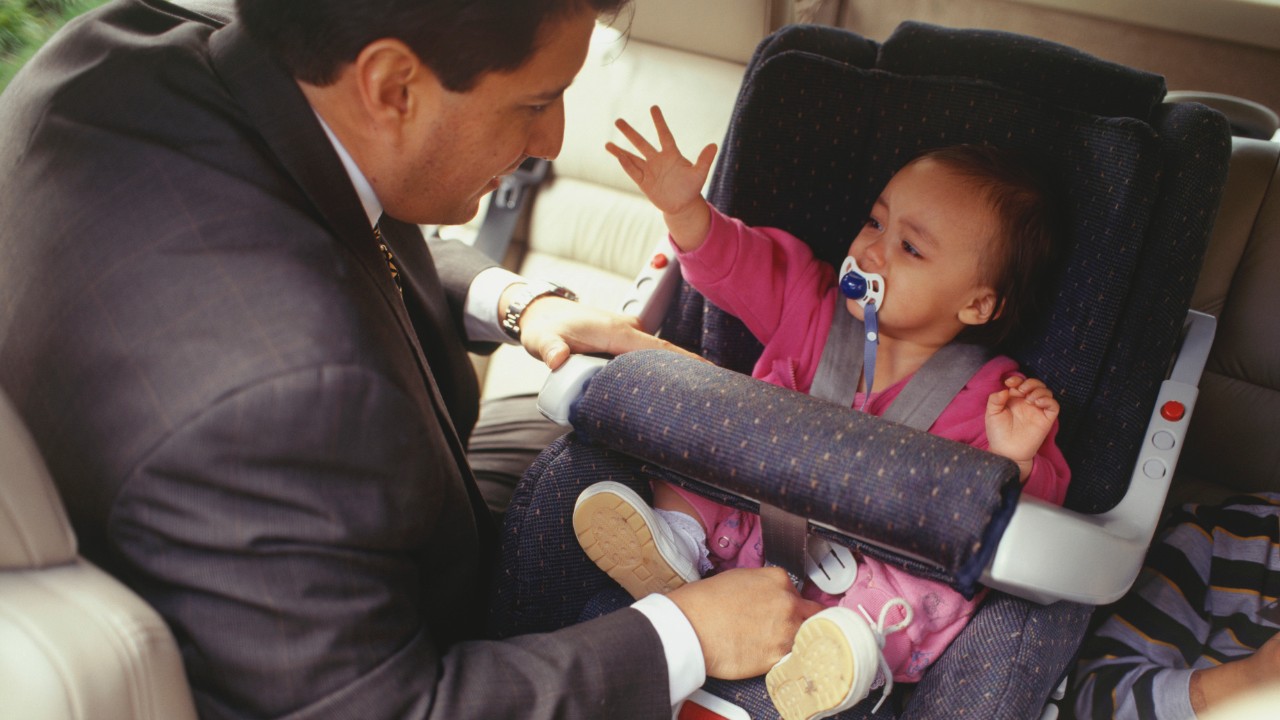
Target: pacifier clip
x,y
867,289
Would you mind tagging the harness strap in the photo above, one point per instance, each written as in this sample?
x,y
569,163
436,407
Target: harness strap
x,y
836,379
927,393
918,406
936,384
785,536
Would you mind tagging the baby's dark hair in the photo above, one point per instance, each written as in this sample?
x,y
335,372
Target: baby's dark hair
x,y
1026,205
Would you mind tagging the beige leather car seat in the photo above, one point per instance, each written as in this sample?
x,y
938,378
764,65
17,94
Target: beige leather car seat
x,y
75,644
1232,445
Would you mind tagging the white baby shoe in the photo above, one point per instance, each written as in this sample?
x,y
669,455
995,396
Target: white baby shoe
x,y
631,542
834,662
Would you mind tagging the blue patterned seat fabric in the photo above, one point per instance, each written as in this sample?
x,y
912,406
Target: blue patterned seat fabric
x,y
824,119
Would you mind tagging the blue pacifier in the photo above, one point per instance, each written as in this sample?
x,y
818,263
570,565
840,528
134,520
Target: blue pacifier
x,y
867,289
860,285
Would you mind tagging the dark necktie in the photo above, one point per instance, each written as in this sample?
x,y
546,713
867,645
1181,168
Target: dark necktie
x,y
389,257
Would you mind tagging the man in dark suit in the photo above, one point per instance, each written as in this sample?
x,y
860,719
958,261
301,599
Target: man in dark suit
x,y
248,372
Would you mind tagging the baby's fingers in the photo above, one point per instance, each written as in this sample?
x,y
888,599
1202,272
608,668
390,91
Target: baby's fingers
x,y
632,165
1022,387
997,402
705,158
1039,396
635,138
666,140
1043,399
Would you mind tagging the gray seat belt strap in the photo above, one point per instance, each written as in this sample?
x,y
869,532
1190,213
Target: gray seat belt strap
x,y
918,406
927,393
499,224
784,536
840,366
936,384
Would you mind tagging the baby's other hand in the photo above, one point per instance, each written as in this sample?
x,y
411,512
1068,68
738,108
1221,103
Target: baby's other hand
x,y
1019,419
667,178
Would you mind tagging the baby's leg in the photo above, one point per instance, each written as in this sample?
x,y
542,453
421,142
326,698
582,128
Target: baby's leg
x,y
688,524
665,497
643,549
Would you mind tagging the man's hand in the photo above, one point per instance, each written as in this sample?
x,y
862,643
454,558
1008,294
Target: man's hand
x,y
1019,419
745,619
552,327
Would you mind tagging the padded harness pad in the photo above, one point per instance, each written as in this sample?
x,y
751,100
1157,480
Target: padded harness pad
x,y
937,501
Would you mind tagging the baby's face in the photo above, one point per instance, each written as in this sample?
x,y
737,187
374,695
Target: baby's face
x,y
927,235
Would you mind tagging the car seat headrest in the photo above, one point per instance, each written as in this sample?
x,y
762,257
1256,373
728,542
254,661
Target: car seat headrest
x,y
1059,74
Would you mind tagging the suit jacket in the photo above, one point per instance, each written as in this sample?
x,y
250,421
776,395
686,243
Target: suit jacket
x,y
248,423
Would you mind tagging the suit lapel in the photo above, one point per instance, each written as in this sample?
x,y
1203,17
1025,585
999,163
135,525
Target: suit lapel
x,y
277,109
424,299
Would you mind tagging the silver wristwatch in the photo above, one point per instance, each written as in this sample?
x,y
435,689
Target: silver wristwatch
x,y
525,295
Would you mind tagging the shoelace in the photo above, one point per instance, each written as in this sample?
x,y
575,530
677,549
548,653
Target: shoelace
x,y
880,631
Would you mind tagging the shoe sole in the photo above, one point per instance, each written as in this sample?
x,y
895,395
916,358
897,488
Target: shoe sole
x,y
816,678
619,541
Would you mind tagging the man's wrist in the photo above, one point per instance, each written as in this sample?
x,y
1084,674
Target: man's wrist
x,y
484,307
686,667
520,297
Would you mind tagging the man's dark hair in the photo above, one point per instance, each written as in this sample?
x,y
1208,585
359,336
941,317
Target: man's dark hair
x,y
1028,209
460,40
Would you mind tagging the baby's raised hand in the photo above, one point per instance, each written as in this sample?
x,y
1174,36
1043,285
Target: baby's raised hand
x,y
1019,419
667,178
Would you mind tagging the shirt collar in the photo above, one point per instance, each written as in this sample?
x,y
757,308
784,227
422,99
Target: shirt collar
x,y
368,198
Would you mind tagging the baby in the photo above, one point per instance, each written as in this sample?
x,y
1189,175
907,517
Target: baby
x,y
955,247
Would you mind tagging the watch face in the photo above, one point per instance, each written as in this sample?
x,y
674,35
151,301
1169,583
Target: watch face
x,y
530,292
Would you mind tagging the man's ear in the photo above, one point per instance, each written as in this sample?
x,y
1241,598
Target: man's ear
x,y
982,307
390,80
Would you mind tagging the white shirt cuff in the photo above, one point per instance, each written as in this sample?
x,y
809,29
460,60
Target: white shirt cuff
x,y
686,668
482,321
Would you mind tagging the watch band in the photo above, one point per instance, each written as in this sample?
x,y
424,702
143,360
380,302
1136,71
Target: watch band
x,y
525,295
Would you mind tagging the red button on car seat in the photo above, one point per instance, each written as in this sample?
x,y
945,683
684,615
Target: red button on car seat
x,y
1173,411
658,262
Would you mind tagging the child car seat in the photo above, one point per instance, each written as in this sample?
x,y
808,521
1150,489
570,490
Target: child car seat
x,y
823,120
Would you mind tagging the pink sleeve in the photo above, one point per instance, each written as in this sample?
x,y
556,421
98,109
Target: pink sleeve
x,y
755,274
965,420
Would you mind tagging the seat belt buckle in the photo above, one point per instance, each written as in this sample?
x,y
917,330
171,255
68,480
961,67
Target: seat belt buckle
x,y
510,192
831,567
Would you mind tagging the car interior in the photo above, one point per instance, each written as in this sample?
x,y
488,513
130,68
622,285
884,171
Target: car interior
x,y
1176,405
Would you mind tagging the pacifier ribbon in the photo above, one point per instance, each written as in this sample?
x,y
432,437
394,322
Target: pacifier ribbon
x,y
867,289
